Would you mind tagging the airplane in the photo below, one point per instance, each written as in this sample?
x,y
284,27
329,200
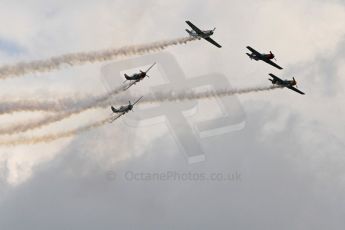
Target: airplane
x,y
285,83
136,77
123,109
263,57
206,34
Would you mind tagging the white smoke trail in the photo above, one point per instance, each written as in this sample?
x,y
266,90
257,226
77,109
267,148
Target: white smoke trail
x,y
8,107
171,96
65,108
27,126
158,97
61,105
73,59
52,137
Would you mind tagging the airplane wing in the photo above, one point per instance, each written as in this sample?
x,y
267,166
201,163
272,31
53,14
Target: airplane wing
x,y
196,29
271,63
137,100
131,84
114,118
296,90
150,67
213,42
254,51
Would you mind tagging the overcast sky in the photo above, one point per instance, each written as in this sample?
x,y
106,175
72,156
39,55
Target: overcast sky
x,y
287,160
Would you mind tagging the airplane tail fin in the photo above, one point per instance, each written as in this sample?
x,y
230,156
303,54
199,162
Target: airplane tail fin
x,y
127,77
250,56
113,109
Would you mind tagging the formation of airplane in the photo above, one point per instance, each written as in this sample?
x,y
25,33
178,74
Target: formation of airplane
x,y
123,109
285,83
205,34
262,57
275,80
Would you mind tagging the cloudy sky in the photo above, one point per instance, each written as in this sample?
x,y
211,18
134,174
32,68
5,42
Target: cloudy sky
x,y
286,158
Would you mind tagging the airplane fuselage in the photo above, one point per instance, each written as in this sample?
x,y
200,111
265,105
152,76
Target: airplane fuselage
x,y
269,56
136,76
284,83
123,109
204,34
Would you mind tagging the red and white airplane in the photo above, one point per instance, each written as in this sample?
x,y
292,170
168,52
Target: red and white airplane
x,y
262,57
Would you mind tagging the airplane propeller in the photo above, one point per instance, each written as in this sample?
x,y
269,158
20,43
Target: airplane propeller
x,y
274,57
145,72
294,80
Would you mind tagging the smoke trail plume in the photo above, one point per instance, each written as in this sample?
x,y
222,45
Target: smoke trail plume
x,y
23,127
52,137
73,59
193,95
8,107
158,97
66,104
65,108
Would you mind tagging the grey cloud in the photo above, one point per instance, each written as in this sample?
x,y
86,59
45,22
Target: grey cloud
x,y
277,188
